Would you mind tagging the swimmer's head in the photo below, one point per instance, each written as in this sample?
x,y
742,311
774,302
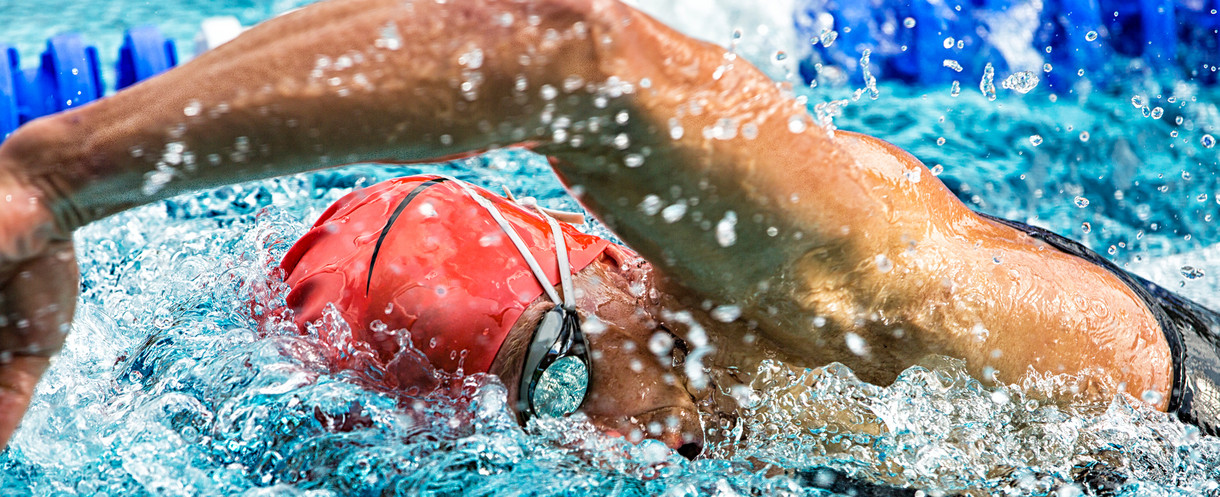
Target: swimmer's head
x,y
419,254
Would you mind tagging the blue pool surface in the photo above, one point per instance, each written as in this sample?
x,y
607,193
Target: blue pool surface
x,y
170,385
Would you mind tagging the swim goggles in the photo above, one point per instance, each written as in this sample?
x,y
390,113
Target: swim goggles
x,y
555,376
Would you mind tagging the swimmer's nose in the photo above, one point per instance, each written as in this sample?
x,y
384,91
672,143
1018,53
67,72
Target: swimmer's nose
x,y
682,430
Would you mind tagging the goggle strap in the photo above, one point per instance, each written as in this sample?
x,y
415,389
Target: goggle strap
x,y
561,254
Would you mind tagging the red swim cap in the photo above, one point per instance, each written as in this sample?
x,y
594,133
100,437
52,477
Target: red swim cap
x,y
420,254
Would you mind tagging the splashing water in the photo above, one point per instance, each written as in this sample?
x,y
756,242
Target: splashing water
x,y
171,384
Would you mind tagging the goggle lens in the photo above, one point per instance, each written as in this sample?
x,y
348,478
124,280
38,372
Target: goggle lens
x,y
561,387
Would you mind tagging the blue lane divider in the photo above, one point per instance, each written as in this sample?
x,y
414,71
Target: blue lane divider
x,y
145,53
923,41
9,71
69,74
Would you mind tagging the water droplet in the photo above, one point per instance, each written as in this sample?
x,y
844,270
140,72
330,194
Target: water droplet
x,y
622,141
909,22
192,109
779,57
797,124
883,263
856,344
661,344
948,42
828,37
1157,112
987,85
1137,101
676,131
633,160
390,38
1035,140
1086,227
940,141
674,212
955,89
1090,36
1047,67
726,313
1208,141
549,92
1021,82
1192,273
1081,202
1084,136
726,230
952,64
937,169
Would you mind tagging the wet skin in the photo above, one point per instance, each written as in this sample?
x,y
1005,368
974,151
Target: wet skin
x,y
833,237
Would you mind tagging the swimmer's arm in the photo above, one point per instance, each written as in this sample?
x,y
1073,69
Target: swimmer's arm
x,y
763,203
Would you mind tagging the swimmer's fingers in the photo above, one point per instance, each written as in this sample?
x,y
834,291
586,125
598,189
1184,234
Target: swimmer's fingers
x,y
37,299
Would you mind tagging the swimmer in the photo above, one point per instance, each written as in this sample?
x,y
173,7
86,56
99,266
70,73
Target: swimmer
x,y
780,239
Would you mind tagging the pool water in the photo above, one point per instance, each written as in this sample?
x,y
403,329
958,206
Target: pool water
x,y
173,384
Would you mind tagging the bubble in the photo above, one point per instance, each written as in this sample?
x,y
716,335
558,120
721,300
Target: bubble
x,y
1090,36
909,22
1157,112
1047,67
1081,202
1208,141
1035,140
940,141
1192,273
1084,136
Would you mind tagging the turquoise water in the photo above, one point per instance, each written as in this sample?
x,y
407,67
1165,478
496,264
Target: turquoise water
x,y
168,386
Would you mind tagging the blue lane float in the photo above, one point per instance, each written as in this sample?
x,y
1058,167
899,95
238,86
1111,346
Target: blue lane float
x,y
145,53
9,70
69,74
924,41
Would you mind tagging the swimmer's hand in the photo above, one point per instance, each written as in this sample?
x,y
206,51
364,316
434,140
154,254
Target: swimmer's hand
x,y
39,280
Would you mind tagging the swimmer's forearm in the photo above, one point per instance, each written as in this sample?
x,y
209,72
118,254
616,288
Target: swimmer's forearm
x,y
336,83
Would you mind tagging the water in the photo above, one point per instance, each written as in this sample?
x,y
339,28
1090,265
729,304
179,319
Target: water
x,y
173,383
